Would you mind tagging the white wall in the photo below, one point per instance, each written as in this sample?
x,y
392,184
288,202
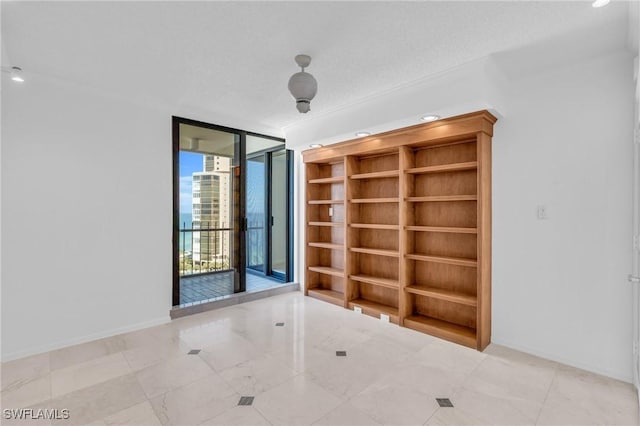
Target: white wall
x,y
564,140
86,203
86,214
560,287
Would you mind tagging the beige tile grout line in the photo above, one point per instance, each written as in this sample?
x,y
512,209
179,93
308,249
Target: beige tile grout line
x,y
555,374
457,391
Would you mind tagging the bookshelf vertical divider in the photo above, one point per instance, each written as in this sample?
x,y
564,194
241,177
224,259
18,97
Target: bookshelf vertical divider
x,y
351,291
399,225
406,237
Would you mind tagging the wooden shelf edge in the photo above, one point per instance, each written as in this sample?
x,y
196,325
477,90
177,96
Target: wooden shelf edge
x,y
330,246
314,202
437,293
327,270
374,309
326,224
325,295
377,252
442,168
374,226
376,175
446,330
459,261
449,229
375,200
383,282
332,179
442,198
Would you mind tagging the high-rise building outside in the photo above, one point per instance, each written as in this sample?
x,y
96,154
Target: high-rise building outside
x,y
211,195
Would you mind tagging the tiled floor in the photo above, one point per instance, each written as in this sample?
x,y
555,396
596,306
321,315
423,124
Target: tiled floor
x,y
206,287
390,375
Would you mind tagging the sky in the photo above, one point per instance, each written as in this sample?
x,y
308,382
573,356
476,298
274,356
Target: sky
x,y
190,163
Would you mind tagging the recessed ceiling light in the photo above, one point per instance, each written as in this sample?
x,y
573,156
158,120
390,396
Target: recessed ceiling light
x,y
363,134
600,3
316,145
430,117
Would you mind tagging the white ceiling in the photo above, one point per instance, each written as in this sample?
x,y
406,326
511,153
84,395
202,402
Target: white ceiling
x,y
235,58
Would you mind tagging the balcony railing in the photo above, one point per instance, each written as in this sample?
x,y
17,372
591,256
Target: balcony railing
x,y
209,251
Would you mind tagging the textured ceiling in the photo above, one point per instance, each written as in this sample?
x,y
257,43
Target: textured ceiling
x,y
235,58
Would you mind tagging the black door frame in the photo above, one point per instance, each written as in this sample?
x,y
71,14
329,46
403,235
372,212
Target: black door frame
x,y
240,286
267,155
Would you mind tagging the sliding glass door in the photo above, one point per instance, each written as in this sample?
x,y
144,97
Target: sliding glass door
x,y
268,205
232,211
280,199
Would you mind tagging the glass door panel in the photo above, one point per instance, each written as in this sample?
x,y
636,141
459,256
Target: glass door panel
x,y
279,197
207,257
256,211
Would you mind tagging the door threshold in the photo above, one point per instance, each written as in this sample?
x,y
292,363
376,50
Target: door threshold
x,y
230,300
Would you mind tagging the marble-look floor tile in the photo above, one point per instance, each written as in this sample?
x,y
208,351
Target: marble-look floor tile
x,y
512,379
301,356
196,402
27,418
205,335
228,353
391,375
448,356
138,415
580,397
257,375
99,401
25,393
453,416
84,352
497,410
346,415
88,373
344,338
363,365
518,358
23,370
238,416
298,401
395,404
173,373
161,350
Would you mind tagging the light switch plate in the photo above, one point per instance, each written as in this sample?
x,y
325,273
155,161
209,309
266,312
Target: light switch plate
x,y
357,309
543,214
384,317
330,211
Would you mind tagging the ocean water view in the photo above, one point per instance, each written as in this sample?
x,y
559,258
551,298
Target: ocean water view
x,y
185,223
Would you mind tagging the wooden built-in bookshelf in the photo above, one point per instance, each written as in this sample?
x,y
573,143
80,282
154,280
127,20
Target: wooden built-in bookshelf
x,y
325,237
399,224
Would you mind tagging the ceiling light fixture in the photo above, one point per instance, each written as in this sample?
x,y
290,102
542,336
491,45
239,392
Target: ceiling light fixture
x,y
15,72
302,85
363,134
316,145
430,117
600,3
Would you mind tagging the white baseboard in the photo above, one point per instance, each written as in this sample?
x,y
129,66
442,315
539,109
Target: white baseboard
x,y
552,357
84,339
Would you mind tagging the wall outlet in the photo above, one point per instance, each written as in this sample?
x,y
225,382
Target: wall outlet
x,y
384,317
357,309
